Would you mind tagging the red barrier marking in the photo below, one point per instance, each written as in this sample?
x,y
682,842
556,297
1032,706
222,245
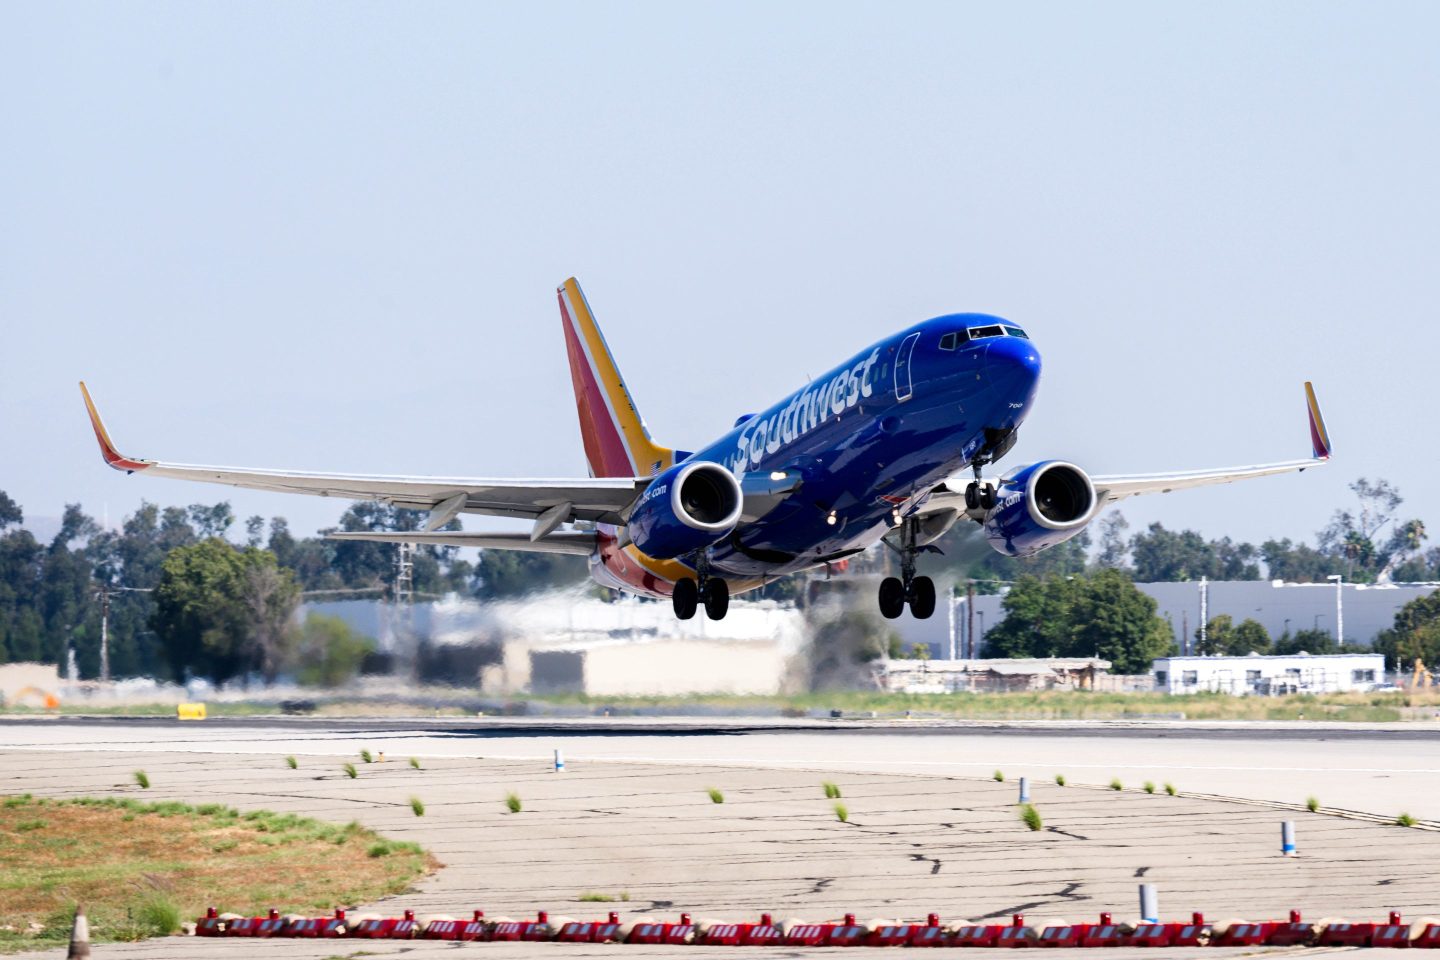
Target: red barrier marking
x,y
978,935
1067,936
1429,938
1346,934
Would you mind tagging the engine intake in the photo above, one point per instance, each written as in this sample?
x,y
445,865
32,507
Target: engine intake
x,y
1039,506
686,508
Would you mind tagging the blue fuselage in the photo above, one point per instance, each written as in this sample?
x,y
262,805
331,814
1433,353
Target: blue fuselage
x,y
873,436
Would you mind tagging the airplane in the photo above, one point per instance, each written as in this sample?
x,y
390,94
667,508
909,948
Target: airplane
x,y
875,449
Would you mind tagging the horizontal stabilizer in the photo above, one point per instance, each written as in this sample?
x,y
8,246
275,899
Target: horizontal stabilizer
x,y
574,544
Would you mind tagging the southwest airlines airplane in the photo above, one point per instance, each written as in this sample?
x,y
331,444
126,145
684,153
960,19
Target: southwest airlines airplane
x,y
876,449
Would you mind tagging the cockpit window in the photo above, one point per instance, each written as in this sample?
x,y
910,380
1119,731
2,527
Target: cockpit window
x,y
947,342
1017,332
977,333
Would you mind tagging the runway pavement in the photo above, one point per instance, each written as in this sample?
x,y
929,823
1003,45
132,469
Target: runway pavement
x,y
928,830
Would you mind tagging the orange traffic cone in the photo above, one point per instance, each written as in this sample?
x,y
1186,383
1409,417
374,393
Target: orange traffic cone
x,y
79,936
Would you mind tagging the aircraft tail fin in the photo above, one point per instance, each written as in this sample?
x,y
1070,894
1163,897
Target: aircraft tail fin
x,y
617,443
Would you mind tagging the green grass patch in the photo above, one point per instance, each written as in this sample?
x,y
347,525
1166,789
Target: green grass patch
x,y
292,763
1059,779
512,802
595,898
1149,787
832,791
998,776
142,778
842,813
143,868
1170,790
1312,804
350,771
1115,784
417,806
1405,820
414,763
1031,816
715,795
366,756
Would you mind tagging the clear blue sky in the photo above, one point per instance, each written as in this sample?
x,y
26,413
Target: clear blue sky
x,y
328,236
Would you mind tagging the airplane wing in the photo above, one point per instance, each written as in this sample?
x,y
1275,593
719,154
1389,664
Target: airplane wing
x,y
576,544
549,502
1111,489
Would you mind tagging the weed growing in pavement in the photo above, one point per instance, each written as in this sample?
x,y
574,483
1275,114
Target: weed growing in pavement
x,y
1312,804
512,802
292,763
715,795
414,763
1031,816
1149,787
595,898
1059,779
417,806
157,915
1170,790
142,778
1116,784
365,755
1405,820
832,792
349,769
998,776
842,813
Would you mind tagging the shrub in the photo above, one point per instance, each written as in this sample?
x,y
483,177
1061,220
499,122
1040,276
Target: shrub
x,y
842,813
349,769
381,849
998,776
158,915
292,763
512,802
1149,787
417,806
1405,820
1170,789
1031,816
715,795
1059,779
1116,784
142,778
832,792
1312,804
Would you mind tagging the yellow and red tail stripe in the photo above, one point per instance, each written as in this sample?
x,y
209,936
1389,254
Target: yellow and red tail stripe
x,y
107,449
1319,436
617,444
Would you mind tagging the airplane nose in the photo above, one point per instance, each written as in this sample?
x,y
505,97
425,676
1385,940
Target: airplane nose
x,y
1012,363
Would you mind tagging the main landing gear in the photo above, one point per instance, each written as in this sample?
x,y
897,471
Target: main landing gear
x,y
712,592
918,592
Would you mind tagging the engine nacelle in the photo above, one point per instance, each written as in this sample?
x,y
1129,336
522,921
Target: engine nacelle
x,y
1038,506
687,507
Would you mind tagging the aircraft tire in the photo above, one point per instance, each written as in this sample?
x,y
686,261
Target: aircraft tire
x,y
892,598
685,597
972,496
717,598
922,598
987,498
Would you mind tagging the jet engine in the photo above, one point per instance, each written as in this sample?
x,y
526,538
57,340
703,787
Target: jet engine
x,y
1038,506
687,507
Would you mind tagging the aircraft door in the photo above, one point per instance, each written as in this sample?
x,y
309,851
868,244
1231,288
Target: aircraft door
x,y
903,388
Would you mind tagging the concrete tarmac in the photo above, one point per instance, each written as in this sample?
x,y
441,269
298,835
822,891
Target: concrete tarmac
x,y
927,831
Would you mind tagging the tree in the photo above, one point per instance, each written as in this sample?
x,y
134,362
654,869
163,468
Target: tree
x,y
1298,563
1353,536
1114,547
1216,639
10,512
511,573
1249,637
1103,615
329,652
1317,642
270,596
1163,555
1414,634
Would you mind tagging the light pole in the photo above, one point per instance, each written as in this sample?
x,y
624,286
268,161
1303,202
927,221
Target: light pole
x,y
955,601
1339,608
1287,626
980,643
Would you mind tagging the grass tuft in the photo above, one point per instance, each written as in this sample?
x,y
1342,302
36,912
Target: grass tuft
x,y
1116,784
589,897
842,813
417,806
1031,816
292,763
414,763
1170,790
349,769
25,826
715,795
998,776
1149,787
1059,779
832,791
142,778
512,802
365,755
1312,804
157,916
1405,820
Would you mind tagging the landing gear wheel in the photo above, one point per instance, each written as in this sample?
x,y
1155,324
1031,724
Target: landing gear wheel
x,y
685,597
892,597
922,598
717,598
987,498
972,496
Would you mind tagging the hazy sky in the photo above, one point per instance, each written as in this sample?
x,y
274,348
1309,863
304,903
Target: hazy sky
x,y
328,236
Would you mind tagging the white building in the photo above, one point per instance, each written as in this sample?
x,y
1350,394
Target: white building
x,y
1334,673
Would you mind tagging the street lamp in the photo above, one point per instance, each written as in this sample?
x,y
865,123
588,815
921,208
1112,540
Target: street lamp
x,y
1339,609
1287,626
980,643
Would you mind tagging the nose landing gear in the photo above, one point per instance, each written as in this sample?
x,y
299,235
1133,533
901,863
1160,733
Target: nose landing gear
x,y
918,592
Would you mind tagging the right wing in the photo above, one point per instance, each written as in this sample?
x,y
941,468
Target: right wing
x,y
548,502
577,544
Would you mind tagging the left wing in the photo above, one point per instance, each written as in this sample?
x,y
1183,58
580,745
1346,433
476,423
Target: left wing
x,y
549,502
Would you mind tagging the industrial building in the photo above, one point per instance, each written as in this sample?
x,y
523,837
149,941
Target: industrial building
x,y
1254,674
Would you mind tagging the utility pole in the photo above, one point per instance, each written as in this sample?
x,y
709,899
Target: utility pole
x,y
1339,609
1204,611
1184,633
970,609
104,632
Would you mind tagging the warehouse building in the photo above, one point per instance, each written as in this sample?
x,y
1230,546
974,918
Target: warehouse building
x,y
1254,674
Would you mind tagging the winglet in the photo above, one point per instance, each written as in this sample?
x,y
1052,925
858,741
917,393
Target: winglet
x,y
1319,437
107,449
